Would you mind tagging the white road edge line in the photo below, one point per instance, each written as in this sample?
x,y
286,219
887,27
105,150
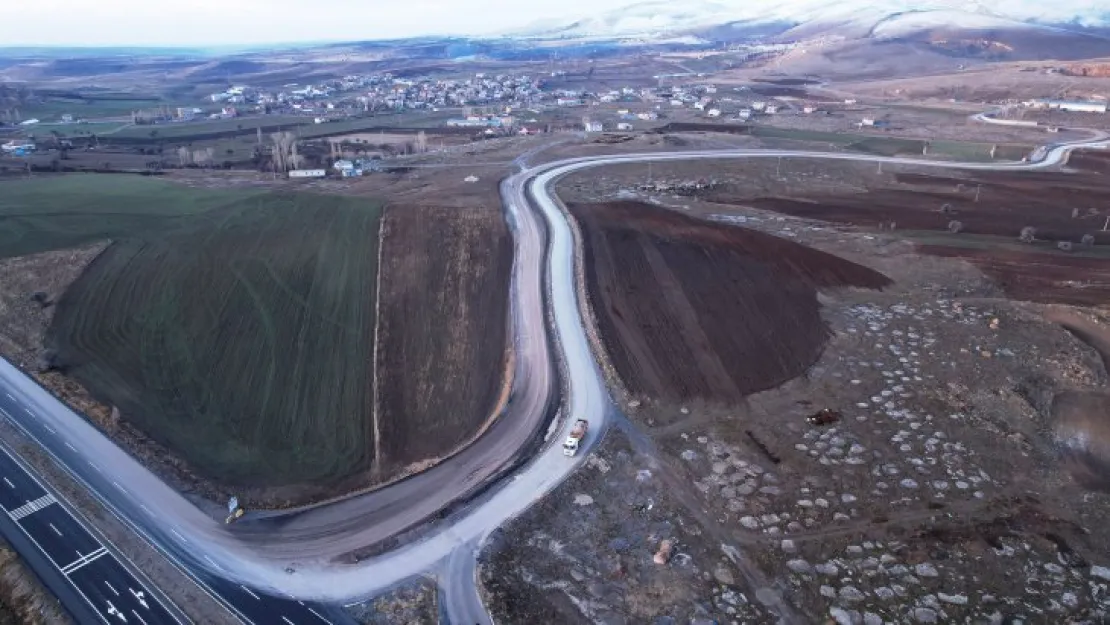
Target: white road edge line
x,y
320,617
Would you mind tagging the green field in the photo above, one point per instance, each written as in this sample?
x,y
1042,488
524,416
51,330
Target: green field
x,y
234,327
898,146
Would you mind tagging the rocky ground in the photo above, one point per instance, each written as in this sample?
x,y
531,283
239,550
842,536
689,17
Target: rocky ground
x,y
22,598
415,603
931,491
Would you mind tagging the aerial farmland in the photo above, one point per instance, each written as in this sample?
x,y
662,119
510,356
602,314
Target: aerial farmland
x,y
227,336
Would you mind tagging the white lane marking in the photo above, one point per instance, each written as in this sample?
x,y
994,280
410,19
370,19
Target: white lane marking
x,y
28,411
56,530
145,509
31,507
49,429
319,617
83,560
179,536
71,447
138,617
9,396
212,562
288,621
116,484
9,483
248,591
94,466
111,589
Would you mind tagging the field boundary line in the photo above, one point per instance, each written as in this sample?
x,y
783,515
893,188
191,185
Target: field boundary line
x,y
375,413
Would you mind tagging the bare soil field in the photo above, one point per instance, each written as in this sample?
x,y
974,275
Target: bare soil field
x,y
691,309
921,204
443,330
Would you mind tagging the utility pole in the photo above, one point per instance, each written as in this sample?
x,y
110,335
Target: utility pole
x,y
978,188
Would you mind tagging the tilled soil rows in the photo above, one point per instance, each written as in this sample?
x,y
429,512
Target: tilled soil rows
x,y
692,309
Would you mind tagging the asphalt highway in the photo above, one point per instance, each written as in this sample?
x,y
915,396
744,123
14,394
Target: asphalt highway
x,y
85,574
280,560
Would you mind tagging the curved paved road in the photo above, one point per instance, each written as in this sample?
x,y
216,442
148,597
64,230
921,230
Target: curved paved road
x,y
313,543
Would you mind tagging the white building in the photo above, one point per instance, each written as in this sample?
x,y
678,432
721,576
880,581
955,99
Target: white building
x,y
593,126
308,173
713,112
624,126
1073,106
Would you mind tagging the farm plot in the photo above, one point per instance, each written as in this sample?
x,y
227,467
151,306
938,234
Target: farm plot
x,y
242,339
442,330
693,310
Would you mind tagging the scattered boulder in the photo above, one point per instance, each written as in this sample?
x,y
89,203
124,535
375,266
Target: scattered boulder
x,y
664,554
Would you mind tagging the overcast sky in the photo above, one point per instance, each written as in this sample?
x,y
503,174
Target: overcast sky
x,y
218,22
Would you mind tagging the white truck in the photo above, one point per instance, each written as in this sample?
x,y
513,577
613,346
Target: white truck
x,y
577,433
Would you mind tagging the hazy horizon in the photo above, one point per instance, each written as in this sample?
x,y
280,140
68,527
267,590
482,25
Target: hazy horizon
x,y
216,23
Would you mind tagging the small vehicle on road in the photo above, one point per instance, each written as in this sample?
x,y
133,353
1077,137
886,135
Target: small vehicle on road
x,y
577,433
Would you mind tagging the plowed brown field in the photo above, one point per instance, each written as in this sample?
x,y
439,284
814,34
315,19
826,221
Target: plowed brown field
x,y
442,336
690,309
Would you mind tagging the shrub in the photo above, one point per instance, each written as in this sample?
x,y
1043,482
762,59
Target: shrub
x,y
955,227
1064,246
1028,234
1088,240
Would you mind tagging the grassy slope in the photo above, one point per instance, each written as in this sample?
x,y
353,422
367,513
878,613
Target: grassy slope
x,y
234,327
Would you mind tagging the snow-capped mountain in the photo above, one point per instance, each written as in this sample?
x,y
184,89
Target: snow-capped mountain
x,y
875,18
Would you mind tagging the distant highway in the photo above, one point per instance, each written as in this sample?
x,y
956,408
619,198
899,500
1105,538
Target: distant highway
x,y
262,568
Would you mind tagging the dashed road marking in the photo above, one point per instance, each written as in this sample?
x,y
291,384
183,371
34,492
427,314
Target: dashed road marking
x,y
288,621
94,466
49,429
138,617
28,411
9,396
114,591
248,591
9,483
71,447
319,617
212,562
116,484
56,530
179,536
145,509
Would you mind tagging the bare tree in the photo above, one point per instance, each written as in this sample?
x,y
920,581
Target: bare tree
x,y
955,227
1028,234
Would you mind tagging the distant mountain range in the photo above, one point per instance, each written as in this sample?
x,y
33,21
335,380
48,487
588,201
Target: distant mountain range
x,y
660,19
